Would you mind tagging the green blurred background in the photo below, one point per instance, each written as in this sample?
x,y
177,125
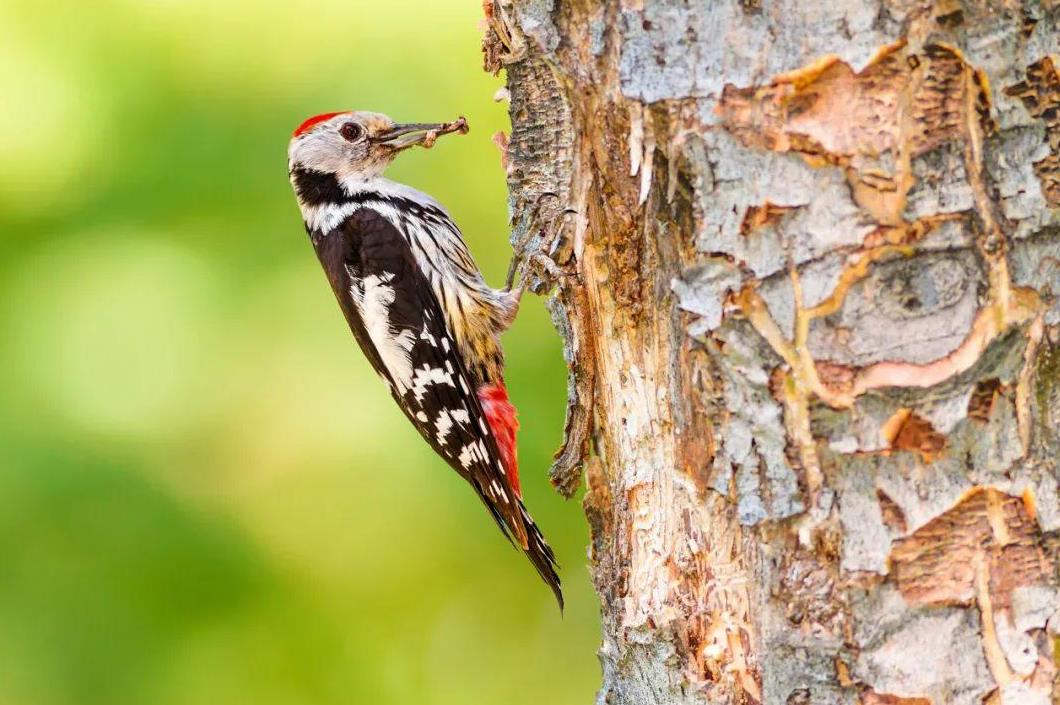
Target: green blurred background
x,y
205,494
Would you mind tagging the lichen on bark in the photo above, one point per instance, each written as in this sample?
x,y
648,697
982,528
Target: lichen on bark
x,y
805,260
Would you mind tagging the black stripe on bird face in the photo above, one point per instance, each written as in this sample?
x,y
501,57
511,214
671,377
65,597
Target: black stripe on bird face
x,y
315,188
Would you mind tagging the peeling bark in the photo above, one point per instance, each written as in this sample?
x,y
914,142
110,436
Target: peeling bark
x,y
805,258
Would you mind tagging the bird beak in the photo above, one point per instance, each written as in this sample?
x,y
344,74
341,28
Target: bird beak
x,y
423,133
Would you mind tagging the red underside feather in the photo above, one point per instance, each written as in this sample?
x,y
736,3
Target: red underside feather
x,y
316,119
501,417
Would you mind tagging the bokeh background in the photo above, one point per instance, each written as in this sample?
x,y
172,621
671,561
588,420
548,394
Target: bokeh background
x,y
205,494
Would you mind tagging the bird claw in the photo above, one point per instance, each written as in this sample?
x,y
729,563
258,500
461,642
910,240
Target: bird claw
x,y
527,267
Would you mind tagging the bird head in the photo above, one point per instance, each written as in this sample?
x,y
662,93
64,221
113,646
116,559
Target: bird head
x,y
359,145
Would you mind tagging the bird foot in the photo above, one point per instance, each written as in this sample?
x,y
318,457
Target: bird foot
x,y
534,266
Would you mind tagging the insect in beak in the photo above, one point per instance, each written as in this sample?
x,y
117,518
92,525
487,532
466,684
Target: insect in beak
x,y
422,133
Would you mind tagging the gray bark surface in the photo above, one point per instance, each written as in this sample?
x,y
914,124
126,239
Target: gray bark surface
x,y
805,258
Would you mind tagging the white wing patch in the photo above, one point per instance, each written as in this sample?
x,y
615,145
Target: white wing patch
x,y
427,375
461,416
475,450
373,302
443,423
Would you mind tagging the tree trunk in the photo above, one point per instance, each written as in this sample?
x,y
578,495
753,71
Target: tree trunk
x,y
806,260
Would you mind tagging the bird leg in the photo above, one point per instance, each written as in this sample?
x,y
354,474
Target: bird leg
x,y
516,283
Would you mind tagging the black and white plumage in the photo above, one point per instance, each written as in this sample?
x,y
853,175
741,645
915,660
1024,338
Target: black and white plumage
x,y
417,305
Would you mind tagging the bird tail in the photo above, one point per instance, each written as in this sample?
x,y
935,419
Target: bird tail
x,y
536,547
541,555
520,528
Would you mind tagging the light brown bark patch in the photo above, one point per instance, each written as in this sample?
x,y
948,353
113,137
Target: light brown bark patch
x,y
1040,94
893,516
908,431
872,698
838,379
873,122
937,564
761,216
824,110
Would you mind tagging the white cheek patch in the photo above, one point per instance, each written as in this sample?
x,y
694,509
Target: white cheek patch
x,y
373,302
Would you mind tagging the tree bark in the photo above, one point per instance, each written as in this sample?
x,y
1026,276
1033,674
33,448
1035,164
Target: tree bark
x,y
805,258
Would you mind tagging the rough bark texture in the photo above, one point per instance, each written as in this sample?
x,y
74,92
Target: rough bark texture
x,y
806,261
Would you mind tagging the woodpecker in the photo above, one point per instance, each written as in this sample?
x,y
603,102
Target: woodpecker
x,y
417,304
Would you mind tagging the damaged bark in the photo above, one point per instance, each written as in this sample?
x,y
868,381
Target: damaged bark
x,y
805,258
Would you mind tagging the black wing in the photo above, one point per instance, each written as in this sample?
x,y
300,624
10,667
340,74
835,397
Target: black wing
x,y
402,330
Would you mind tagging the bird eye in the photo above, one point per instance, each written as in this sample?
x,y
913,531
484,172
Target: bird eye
x,y
352,132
